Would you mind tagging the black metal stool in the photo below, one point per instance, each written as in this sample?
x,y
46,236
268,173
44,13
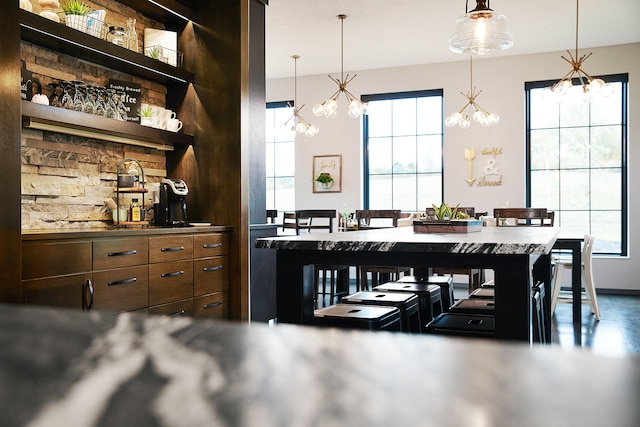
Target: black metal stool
x,y
465,325
429,297
483,293
445,283
406,302
352,316
473,306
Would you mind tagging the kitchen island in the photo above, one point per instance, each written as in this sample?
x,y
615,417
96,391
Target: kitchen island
x,y
511,252
67,368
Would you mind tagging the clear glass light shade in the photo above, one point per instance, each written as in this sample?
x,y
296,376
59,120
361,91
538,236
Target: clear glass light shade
x,y
318,110
480,35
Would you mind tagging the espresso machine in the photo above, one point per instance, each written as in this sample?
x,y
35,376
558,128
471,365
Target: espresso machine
x,y
171,209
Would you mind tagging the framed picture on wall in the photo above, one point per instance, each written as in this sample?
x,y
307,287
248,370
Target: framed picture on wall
x,y
327,173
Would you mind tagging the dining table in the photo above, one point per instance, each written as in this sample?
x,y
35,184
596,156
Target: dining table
x,y
62,367
518,256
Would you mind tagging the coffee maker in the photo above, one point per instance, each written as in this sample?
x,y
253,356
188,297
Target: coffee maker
x,y
171,209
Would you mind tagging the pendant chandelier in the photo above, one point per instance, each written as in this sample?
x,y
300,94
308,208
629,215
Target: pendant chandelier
x,y
481,31
299,124
588,85
461,117
329,108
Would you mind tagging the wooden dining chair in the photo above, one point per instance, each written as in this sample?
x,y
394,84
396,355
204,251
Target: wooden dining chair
x,y
475,275
272,215
518,217
368,219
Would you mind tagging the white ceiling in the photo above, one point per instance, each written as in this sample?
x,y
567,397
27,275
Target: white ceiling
x,y
392,33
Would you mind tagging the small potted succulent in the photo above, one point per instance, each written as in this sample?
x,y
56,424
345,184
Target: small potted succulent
x,y
76,14
447,220
146,114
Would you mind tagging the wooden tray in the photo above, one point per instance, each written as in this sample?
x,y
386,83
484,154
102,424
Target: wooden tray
x,y
456,226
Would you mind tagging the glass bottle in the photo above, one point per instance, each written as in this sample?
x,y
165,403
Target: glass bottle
x,y
134,210
117,36
132,35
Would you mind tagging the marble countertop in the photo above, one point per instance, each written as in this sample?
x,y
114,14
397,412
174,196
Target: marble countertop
x,y
64,368
490,240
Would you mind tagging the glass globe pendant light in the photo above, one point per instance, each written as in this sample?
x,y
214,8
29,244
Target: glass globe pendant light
x,y
463,116
329,108
588,86
299,124
480,31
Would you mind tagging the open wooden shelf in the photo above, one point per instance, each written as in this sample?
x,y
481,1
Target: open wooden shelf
x,y
55,119
58,37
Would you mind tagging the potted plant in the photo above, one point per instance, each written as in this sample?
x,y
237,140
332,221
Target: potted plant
x,y
76,14
145,113
325,179
448,220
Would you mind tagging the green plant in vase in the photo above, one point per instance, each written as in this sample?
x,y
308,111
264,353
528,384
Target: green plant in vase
x,y
325,179
146,114
76,14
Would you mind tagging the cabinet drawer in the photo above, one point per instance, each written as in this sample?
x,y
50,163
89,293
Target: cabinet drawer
x,y
170,248
121,289
116,253
212,306
174,309
170,281
64,291
208,245
43,259
210,275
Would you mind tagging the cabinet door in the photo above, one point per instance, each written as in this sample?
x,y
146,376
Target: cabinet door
x,y
170,281
210,275
170,248
121,289
73,291
208,245
121,252
174,309
213,306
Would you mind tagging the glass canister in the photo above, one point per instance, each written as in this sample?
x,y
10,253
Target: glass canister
x,y
118,36
132,34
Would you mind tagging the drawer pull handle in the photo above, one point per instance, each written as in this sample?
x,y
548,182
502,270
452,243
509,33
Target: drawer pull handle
x,y
123,253
174,274
123,282
174,249
212,245
87,306
217,267
212,305
177,313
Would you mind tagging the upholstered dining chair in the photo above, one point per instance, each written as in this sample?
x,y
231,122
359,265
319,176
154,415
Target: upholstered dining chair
x,y
371,219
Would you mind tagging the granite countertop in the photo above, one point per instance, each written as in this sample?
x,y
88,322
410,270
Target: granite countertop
x,y
65,368
490,240
71,233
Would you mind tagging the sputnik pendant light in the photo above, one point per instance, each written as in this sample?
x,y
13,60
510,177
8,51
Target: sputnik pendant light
x,y
481,31
329,108
297,122
589,85
461,117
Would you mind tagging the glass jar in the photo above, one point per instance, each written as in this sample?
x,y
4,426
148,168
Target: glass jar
x,y
132,35
118,36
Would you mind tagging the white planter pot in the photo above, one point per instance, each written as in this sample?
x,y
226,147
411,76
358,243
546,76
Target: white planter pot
x,y
78,22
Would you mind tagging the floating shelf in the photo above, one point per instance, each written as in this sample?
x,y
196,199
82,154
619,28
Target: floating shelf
x,y
58,37
55,119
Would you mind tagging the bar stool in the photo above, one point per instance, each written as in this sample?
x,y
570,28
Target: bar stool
x,y
473,306
352,316
429,296
483,293
407,303
463,324
445,283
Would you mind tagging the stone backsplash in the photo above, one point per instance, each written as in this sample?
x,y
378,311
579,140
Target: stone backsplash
x,y
66,179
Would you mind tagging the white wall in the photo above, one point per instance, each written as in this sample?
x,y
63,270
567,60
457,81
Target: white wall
x,y
502,81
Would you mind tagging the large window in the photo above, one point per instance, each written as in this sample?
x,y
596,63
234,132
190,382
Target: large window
x,y
403,150
576,162
281,160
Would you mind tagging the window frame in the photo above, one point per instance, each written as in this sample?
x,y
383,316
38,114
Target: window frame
x,y
270,105
390,96
624,185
